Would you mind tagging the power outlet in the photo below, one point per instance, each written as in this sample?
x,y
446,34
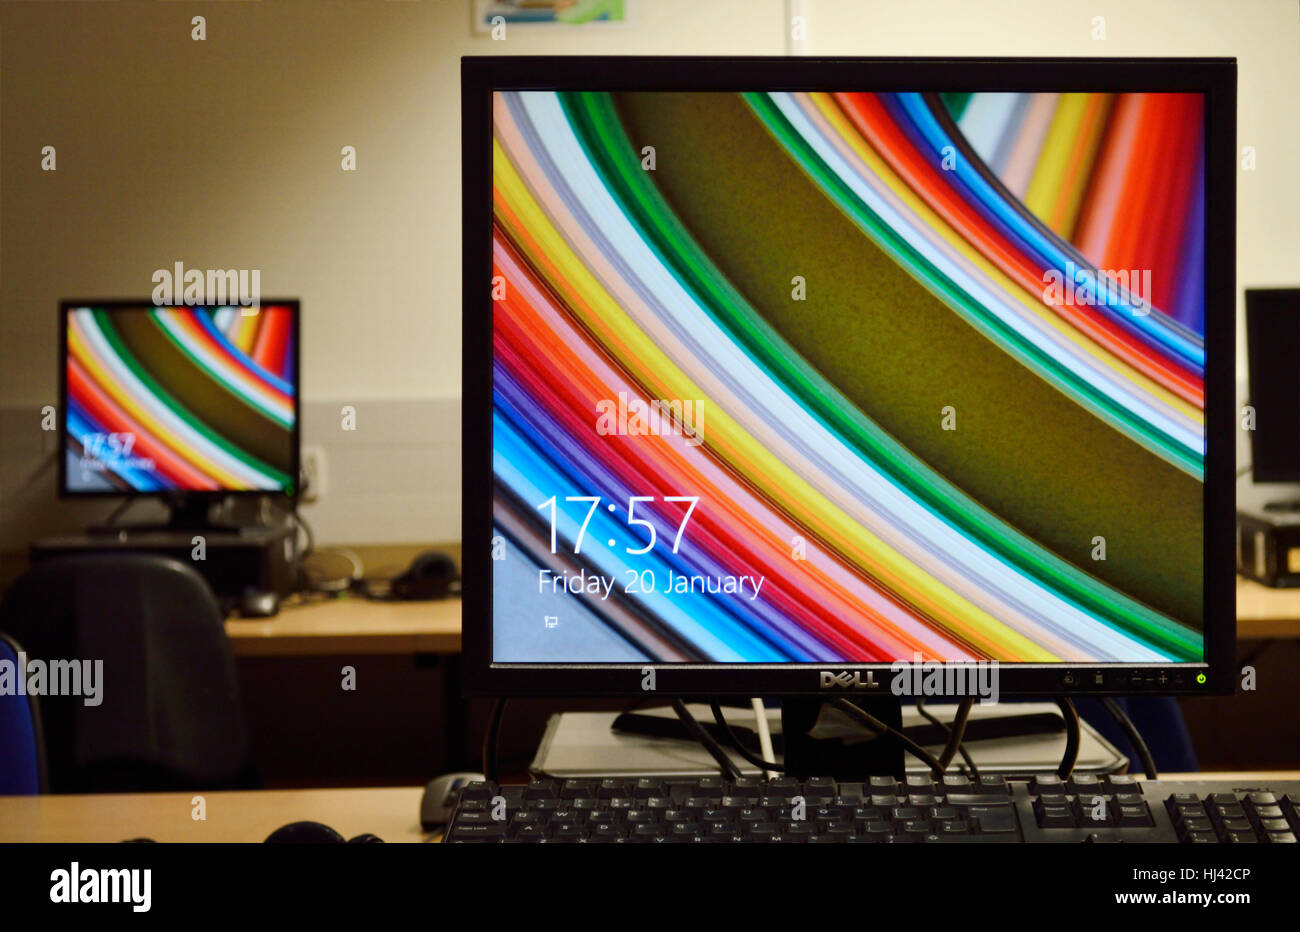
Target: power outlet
x,y
313,465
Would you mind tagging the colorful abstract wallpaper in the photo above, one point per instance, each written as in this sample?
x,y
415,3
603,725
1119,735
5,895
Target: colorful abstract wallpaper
x,y
854,377
189,399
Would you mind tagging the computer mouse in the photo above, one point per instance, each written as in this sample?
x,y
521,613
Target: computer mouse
x,y
304,833
255,603
440,796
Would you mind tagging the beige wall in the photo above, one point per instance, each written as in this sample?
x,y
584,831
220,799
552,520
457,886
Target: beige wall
x,y
225,154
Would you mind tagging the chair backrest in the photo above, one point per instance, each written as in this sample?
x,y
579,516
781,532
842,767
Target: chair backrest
x,y
22,748
160,705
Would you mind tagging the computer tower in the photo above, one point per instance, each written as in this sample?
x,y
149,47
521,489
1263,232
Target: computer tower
x,y
1268,547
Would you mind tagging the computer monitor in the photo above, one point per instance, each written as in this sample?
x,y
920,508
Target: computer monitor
x,y
803,376
184,403
1272,350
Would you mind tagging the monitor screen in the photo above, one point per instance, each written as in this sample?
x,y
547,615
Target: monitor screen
x,y
1272,348
796,377
179,399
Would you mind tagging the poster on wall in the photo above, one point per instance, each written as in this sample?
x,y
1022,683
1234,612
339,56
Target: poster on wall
x,y
553,13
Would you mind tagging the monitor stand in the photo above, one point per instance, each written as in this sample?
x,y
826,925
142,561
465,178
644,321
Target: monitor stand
x,y
822,741
188,515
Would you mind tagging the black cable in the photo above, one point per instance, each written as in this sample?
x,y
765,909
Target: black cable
x,y
866,717
699,734
117,512
1134,736
740,747
491,740
306,529
1071,755
930,717
958,731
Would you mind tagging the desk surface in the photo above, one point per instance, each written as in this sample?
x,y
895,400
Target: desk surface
x,y
352,626
392,813
1263,612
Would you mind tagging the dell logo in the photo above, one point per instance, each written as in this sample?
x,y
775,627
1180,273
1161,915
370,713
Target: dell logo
x,y
847,680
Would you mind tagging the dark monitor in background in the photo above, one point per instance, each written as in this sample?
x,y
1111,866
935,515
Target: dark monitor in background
x,y
1273,356
788,372
187,404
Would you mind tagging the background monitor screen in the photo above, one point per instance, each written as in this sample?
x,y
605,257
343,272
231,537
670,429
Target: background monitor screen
x,y
180,399
1272,348
848,377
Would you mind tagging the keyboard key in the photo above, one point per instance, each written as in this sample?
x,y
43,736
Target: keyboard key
x,y
1055,817
1047,783
1085,784
819,786
993,820
609,788
1134,816
884,786
490,832
478,789
784,787
648,786
572,789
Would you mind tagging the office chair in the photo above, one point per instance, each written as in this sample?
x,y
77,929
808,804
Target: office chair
x,y
170,716
22,743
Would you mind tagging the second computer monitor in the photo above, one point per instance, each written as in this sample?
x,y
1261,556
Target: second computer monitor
x,y
179,400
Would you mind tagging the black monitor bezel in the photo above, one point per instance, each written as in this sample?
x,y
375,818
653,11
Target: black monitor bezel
x,y
1254,297
123,304
1216,78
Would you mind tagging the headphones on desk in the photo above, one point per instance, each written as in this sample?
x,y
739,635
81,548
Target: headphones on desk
x,y
431,575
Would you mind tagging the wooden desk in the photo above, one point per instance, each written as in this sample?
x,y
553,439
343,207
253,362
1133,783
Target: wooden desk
x,y
351,626
1267,613
392,813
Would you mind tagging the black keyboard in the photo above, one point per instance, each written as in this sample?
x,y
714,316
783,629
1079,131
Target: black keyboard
x,y
882,810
